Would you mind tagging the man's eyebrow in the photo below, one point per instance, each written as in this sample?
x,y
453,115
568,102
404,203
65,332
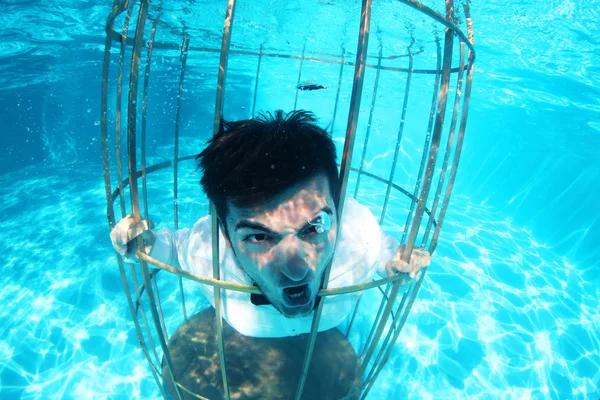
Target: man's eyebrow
x,y
244,224
257,226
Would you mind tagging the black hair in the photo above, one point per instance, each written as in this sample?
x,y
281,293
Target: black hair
x,y
249,161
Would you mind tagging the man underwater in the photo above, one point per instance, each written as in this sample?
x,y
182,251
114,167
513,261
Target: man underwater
x,y
274,181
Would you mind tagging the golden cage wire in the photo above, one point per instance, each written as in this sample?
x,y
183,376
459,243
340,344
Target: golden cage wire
x,y
422,221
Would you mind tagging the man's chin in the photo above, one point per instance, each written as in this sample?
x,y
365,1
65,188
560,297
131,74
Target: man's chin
x,y
296,312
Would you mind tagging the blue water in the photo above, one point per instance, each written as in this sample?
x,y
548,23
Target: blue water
x,y
508,309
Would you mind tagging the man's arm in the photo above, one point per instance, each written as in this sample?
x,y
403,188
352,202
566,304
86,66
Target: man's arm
x,y
390,257
167,245
384,251
389,245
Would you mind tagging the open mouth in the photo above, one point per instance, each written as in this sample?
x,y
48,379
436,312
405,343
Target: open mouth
x,y
296,296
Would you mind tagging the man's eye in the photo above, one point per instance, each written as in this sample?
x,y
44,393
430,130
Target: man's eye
x,y
315,229
256,238
318,225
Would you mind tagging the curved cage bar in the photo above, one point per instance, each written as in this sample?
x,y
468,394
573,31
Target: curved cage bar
x,y
406,80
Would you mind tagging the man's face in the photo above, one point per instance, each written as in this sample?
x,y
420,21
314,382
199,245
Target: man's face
x,y
285,244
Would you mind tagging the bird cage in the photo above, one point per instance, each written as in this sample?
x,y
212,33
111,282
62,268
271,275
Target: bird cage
x,y
392,81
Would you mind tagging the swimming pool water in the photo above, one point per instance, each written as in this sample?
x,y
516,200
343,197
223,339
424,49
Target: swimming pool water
x,y
500,315
509,308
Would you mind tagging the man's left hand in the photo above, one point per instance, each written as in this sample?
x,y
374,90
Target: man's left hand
x,y
420,258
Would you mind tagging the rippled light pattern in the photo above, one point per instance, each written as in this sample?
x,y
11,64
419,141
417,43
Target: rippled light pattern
x,y
499,314
509,308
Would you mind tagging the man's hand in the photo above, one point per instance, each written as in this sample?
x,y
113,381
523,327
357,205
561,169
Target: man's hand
x,y
124,234
419,258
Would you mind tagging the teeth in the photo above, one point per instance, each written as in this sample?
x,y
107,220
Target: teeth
x,y
296,292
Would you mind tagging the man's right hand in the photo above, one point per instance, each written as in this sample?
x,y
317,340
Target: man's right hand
x,y
124,235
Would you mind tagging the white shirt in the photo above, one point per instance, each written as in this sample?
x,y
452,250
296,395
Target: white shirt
x,y
362,250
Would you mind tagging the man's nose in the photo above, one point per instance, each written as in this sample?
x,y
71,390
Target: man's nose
x,y
293,258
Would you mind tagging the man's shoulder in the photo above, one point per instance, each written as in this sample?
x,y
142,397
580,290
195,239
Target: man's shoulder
x,y
358,245
200,235
357,215
203,223
202,227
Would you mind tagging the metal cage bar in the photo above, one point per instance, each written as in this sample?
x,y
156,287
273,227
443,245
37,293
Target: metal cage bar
x,y
424,190
360,388
375,324
377,364
399,138
131,147
449,144
214,220
461,134
398,330
161,316
380,327
143,155
434,101
371,109
253,289
144,115
431,163
117,8
332,60
337,94
351,324
118,140
123,43
138,329
132,113
157,324
362,48
437,130
139,303
183,56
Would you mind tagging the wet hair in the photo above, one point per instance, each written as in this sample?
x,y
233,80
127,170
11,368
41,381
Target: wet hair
x,y
250,161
